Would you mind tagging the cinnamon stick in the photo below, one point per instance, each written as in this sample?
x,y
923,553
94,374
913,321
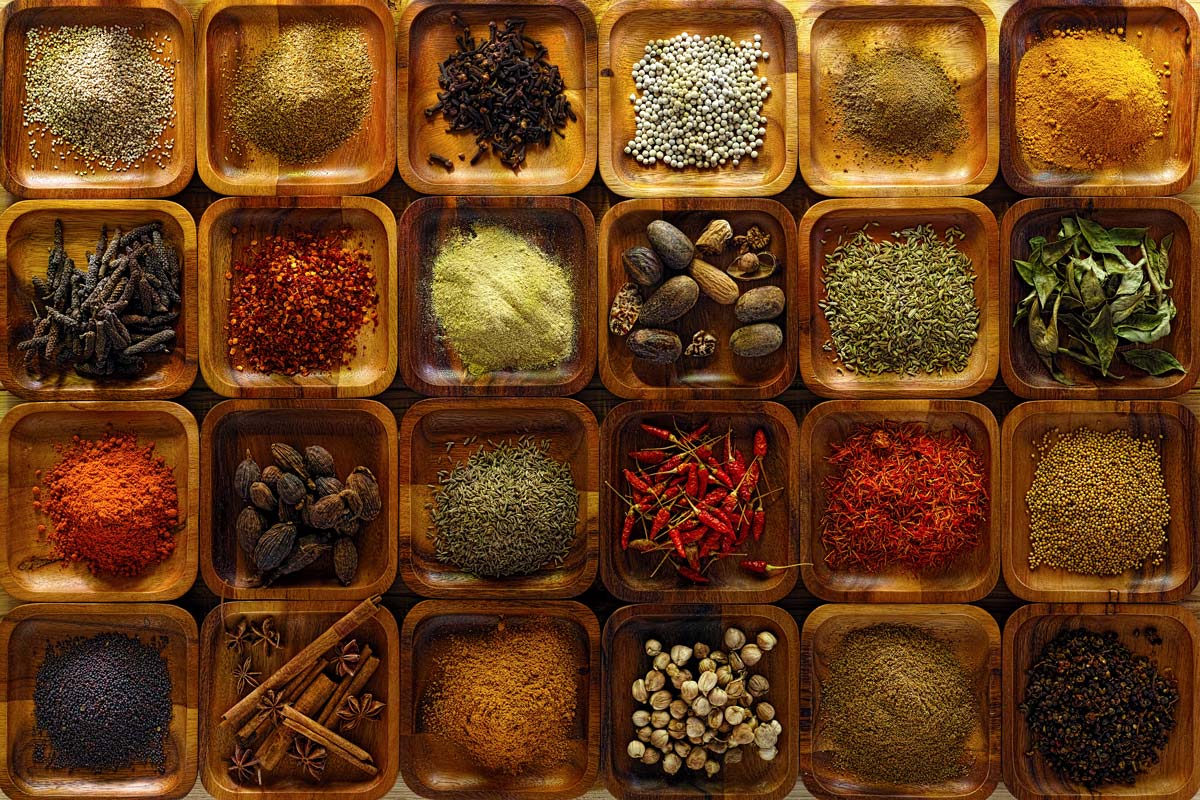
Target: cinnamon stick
x,y
343,688
263,722
311,729
360,680
277,744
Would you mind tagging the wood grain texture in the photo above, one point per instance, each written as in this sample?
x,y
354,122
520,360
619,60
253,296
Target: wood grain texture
x,y
625,661
28,437
567,28
436,769
48,177
232,30
1024,372
428,431
1163,30
561,227
822,229
965,36
355,432
626,27
299,622
25,634
974,638
724,376
970,577
228,230
1176,776
1174,428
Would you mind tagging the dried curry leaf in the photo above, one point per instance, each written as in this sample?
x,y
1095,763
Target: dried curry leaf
x,y
1153,361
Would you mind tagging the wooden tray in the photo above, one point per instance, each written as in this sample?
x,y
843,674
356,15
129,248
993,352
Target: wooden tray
x,y
354,431
626,27
1024,372
431,426
627,575
1163,30
24,177
26,236
24,632
625,661
568,30
819,232
1172,580
964,32
1030,628
373,368
28,434
361,165
434,770
971,577
299,622
723,376
975,639
561,226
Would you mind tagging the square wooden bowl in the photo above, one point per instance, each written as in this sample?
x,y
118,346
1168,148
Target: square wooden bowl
x,y
24,634
568,30
630,576
355,432
563,227
724,375
625,660
1163,30
361,165
1024,372
433,769
820,229
49,177
26,236
28,435
430,427
1172,580
228,228
1030,628
626,27
299,622
975,639
970,577
965,33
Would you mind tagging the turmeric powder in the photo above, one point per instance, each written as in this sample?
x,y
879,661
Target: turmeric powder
x,y
1087,99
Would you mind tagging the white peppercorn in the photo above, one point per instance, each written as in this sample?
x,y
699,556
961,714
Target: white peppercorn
x,y
707,682
689,690
643,734
671,763
681,654
653,647
660,739
718,698
750,655
641,718
660,699
711,768
758,685
659,719
697,758
734,638
766,641
661,660
765,712
768,755
701,706
639,690
636,749
651,756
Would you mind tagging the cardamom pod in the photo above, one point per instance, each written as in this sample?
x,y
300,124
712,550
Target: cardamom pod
x,y
289,458
270,475
274,546
290,512
319,461
290,488
363,483
326,512
307,550
250,525
327,485
246,473
345,560
352,500
348,527
261,495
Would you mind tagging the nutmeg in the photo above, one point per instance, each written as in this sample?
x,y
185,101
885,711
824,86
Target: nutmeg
x,y
715,238
714,283
642,265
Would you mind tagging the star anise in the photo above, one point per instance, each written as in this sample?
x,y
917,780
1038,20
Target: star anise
x,y
237,637
309,756
272,702
356,710
266,635
244,766
345,658
245,676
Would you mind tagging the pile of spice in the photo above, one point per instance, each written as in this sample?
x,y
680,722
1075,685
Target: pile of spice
x,y
1088,99
503,90
105,321
305,95
1098,504
103,704
904,306
502,302
1097,713
298,302
897,707
901,495
112,503
1089,303
300,515
507,696
101,95
701,102
708,718
897,101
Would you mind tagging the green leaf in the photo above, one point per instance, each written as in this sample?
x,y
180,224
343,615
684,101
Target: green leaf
x,y
1068,227
1096,236
1125,306
1090,291
1146,328
1043,337
1104,338
1046,283
1155,362
1025,270
1053,252
1127,237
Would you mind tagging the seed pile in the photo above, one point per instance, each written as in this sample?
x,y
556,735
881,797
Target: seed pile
x,y
1098,504
103,96
305,94
103,703
1098,714
509,509
897,707
701,102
